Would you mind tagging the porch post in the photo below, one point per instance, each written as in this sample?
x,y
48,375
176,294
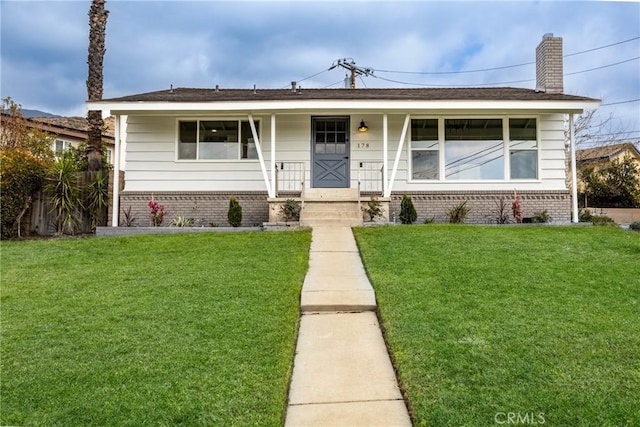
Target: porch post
x,y
398,153
385,154
116,176
574,175
260,157
273,155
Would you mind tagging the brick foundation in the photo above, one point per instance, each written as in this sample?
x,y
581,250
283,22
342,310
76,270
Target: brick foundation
x,y
203,207
207,207
483,204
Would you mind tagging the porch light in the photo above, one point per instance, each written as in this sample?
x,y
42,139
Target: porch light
x,y
363,127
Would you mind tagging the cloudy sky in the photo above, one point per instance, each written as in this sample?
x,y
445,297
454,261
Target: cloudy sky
x,y
236,44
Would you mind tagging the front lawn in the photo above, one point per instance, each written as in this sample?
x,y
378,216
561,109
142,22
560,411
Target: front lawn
x,y
537,325
191,329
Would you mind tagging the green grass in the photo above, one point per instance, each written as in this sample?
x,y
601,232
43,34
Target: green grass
x,y
189,329
540,322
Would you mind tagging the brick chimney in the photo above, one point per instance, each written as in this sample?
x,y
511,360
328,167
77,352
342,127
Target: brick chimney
x,y
549,65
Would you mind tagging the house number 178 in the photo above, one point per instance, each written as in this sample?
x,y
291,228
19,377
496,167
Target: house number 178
x,y
363,145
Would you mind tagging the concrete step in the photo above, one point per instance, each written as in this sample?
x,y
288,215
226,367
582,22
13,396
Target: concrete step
x,y
317,213
331,194
330,222
333,211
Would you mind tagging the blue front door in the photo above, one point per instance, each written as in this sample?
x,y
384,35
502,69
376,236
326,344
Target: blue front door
x,y
330,152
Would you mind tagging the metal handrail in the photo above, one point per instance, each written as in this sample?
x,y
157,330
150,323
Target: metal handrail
x,y
290,176
371,182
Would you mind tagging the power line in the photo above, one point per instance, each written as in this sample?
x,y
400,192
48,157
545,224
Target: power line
x,y
466,85
502,67
604,66
370,70
509,82
333,84
307,78
602,47
620,102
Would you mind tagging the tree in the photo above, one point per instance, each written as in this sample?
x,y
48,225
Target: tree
x,y
97,30
616,185
591,129
25,155
16,134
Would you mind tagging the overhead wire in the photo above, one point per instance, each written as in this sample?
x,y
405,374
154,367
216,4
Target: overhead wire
x,y
620,102
307,78
501,67
490,69
504,83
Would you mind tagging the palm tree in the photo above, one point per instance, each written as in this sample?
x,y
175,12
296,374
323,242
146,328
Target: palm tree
x,y
97,29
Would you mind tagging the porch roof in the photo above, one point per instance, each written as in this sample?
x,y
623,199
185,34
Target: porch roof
x,y
195,99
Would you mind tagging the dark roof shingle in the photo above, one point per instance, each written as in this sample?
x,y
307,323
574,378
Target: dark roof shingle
x,y
413,94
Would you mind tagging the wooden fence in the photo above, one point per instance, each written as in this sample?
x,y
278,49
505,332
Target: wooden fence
x,y
42,220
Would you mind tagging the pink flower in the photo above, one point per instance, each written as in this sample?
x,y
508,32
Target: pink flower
x,y
157,213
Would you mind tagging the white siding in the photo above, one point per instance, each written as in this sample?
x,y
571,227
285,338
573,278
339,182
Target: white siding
x,y
152,165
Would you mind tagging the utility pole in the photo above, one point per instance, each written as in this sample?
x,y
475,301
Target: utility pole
x,y
349,64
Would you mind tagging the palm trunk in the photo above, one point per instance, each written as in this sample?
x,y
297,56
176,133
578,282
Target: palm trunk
x,y
97,29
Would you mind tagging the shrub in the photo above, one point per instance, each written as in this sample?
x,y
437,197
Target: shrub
x,y
373,209
541,217
584,215
501,212
290,210
235,212
635,226
181,221
429,220
602,220
458,214
64,192
128,218
21,177
408,214
98,198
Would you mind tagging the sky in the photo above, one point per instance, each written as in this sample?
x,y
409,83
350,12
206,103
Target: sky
x,y
151,45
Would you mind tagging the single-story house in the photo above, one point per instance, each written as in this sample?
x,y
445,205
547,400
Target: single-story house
x,y
334,149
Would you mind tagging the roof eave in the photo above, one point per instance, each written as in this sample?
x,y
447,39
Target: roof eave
x,y
275,106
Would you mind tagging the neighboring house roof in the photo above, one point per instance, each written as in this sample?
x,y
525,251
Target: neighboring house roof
x,y
605,153
411,94
75,124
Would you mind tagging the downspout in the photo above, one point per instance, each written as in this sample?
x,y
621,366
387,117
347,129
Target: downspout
x,y
574,179
116,176
405,126
385,154
260,157
273,155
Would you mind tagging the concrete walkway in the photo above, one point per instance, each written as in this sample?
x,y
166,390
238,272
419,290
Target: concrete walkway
x,y
342,374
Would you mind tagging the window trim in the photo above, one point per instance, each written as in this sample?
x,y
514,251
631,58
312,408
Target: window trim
x,y
537,149
506,150
199,119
